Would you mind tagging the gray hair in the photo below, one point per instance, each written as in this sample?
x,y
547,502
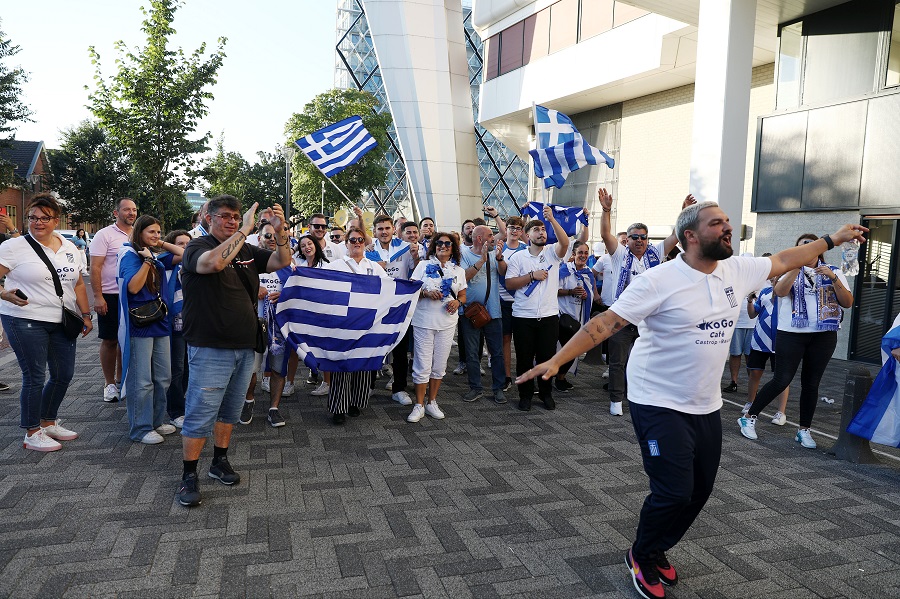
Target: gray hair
x,y
690,219
637,226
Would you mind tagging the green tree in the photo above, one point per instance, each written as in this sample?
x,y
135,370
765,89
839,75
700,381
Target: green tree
x,y
12,109
326,109
90,173
153,104
261,182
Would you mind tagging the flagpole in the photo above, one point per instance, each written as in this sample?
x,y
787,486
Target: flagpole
x,y
535,130
349,201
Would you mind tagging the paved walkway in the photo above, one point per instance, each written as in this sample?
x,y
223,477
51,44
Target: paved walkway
x,y
489,502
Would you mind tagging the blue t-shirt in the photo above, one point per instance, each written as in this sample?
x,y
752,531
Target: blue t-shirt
x,y
129,265
477,285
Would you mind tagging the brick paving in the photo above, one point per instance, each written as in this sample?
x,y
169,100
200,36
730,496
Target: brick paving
x,y
489,502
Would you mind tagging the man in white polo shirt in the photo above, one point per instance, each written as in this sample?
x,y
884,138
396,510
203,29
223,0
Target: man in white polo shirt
x,y
686,308
533,276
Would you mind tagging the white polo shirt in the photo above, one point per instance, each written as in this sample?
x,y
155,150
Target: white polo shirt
x,y
542,302
334,251
363,267
686,320
617,260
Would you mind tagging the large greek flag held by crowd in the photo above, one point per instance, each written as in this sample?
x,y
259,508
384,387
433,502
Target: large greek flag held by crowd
x,y
344,322
335,147
560,148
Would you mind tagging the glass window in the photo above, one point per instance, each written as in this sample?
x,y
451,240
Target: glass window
x,y
537,35
563,25
491,59
511,47
596,17
790,53
893,67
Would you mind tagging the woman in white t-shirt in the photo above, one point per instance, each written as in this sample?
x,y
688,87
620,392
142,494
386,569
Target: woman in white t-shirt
x,y
577,293
809,317
434,322
32,317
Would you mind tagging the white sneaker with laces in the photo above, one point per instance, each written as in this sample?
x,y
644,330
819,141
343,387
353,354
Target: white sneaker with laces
x,y
402,398
615,408
166,429
111,393
178,422
152,438
432,409
288,389
418,412
322,389
779,419
55,431
266,384
39,441
748,427
805,439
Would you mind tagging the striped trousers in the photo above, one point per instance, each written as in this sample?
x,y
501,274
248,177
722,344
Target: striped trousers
x,y
350,389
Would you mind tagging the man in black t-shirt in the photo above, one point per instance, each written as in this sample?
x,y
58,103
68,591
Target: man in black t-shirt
x,y
220,278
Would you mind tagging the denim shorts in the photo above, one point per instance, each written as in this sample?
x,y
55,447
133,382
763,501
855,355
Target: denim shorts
x,y
740,342
216,388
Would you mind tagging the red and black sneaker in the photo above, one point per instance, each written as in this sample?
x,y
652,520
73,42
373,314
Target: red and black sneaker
x,y
646,581
667,574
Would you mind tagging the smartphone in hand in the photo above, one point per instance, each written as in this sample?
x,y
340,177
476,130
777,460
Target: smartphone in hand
x,y
21,295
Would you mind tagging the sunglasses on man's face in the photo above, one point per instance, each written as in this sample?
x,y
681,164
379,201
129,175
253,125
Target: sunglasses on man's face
x,y
335,238
316,226
356,240
268,235
635,236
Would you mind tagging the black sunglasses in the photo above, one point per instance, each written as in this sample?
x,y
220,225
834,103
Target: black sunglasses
x,y
318,226
635,236
356,240
443,244
336,237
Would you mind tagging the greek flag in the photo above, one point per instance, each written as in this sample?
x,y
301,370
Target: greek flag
x,y
344,322
878,419
560,148
337,146
567,216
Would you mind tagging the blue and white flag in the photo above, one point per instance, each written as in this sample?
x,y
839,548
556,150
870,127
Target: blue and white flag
x,y
344,322
567,216
878,419
335,147
560,148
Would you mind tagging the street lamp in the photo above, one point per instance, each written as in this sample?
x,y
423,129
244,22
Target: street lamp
x,y
288,152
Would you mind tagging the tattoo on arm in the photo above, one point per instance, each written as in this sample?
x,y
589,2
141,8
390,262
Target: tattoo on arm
x,y
598,330
234,245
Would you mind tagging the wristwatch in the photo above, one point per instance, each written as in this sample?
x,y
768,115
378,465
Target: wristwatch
x,y
12,231
88,315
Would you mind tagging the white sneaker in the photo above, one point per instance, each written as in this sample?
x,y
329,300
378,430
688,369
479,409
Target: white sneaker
x,y
111,393
390,385
178,422
746,408
418,412
779,419
166,429
152,438
55,431
432,409
615,408
322,389
748,427
39,441
805,439
402,398
288,389
266,384
605,374
460,368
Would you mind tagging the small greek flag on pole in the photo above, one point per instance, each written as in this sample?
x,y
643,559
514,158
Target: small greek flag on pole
x,y
335,147
344,322
560,148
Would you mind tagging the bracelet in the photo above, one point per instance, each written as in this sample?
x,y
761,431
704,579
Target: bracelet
x,y
281,245
605,210
149,260
828,241
242,233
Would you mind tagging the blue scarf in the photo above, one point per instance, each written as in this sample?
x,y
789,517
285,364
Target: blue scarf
x,y
650,259
828,311
433,270
531,286
586,278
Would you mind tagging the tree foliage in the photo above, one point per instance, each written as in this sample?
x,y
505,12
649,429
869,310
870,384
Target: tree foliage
x,y
152,106
229,172
12,109
326,109
90,173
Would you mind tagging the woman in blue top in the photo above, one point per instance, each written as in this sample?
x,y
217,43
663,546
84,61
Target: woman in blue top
x,y
146,365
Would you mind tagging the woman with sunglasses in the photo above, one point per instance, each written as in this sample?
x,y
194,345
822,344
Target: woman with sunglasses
x,y
146,348
435,319
809,318
349,392
32,317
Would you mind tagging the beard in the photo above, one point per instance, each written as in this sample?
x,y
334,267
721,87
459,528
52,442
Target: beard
x,y
539,244
714,250
467,238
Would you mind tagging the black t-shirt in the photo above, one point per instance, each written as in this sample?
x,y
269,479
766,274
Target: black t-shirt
x,y
218,311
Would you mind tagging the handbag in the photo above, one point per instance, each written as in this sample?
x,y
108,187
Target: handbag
x,y
72,322
477,312
569,323
147,314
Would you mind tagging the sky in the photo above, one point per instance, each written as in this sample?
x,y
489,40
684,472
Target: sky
x,y
279,55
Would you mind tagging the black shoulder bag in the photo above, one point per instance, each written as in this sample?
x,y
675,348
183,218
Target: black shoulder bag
x,y
262,337
73,323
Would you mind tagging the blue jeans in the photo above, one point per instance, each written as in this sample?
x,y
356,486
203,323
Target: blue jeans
x,y
178,360
38,346
493,338
216,389
146,384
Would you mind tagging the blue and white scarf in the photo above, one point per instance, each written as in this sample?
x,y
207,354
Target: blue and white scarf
x,y
586,277
828,311
650,259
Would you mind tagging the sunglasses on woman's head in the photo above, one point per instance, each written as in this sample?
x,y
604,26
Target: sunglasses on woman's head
x,y
356,240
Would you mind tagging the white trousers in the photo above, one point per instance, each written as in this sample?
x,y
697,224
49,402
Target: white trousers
x,y
432,348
